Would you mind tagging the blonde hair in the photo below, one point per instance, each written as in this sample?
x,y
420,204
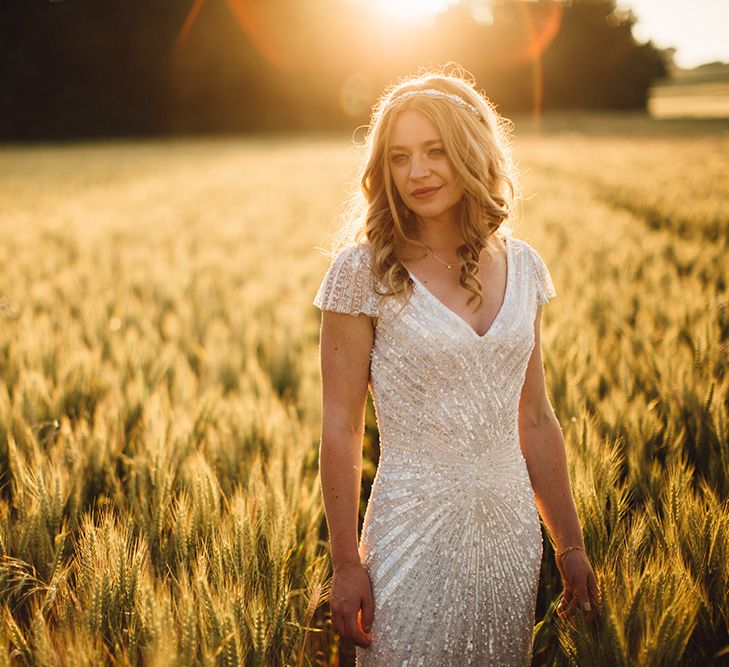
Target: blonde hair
x,y
479,151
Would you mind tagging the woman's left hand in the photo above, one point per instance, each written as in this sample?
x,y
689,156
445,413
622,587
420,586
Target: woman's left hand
x,y
580,586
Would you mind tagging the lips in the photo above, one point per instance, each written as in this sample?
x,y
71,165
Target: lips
x,y
424,192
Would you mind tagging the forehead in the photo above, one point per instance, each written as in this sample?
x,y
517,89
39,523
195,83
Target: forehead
x,y
413,128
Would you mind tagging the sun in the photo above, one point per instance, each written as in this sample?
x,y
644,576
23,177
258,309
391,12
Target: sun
x,y
412,11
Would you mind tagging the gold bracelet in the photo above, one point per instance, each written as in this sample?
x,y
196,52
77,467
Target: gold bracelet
x,y
562,553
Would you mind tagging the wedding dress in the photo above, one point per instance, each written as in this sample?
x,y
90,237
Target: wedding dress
x,y
451,537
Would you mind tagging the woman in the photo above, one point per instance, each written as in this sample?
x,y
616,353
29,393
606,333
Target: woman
x,y
439,312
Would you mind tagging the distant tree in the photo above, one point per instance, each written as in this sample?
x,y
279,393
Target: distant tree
x,y
112,67
595,62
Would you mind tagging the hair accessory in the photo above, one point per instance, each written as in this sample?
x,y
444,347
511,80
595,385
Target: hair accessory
x,y
432,92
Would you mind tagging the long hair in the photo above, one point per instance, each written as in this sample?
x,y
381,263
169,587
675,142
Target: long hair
x,y
479,150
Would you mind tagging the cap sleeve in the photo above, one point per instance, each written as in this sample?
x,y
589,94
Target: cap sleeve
x,y
348,285
542,278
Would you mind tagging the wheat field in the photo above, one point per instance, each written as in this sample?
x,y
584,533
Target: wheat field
x,y
160,392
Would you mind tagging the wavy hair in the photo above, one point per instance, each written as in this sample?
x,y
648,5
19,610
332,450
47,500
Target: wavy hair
x,y
479,150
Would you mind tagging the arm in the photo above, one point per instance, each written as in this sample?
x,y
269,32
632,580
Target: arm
x,y
542,445
345,347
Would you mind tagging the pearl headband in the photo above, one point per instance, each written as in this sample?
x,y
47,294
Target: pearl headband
x,y
432,92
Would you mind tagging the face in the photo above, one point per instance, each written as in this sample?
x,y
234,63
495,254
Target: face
x,y
420,169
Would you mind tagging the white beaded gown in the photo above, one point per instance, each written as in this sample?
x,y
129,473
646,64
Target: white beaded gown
x,y
451,537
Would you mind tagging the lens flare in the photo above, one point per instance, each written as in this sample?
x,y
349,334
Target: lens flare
x,y
249,19
412,11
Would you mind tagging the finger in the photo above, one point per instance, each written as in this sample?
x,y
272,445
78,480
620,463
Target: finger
x,y
571,601
595,598
368,612
592,586
566,604
570,608
590,599
337,624
584,599
566,597
354,634
347,630
569,612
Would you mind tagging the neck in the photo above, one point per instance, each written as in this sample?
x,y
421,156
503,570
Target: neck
x,y
441,234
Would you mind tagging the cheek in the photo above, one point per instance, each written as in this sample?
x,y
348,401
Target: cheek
x,y
452,176
399,182
456,184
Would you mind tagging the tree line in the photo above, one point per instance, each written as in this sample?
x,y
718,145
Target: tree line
x,y
85,68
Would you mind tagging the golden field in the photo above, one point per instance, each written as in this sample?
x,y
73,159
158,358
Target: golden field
x,y
160,397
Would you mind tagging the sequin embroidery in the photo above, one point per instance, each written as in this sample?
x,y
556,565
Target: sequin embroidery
x,y
451,536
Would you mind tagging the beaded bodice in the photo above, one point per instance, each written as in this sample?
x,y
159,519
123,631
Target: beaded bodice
x,y
451,536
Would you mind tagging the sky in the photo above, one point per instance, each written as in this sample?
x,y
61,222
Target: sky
x,y
699,29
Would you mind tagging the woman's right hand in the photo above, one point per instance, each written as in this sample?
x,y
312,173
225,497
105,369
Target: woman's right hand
x,y
352,591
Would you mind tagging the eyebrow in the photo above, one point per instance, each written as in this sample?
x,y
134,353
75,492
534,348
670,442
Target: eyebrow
x,y
425,143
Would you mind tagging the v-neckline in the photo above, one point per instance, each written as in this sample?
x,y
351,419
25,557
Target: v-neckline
x,y
456,316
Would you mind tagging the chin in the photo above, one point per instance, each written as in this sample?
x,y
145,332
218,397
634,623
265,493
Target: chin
x,y
430,211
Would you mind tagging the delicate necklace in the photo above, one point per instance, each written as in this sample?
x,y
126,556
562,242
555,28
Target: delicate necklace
x,y
450,266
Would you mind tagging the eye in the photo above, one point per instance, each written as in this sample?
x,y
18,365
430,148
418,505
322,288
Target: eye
x,y
398,158
437,152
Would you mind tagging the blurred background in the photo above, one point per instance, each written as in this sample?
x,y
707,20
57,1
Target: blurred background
x,y
85,68
169,173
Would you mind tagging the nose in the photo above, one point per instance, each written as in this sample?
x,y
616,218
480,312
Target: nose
x,y
419,167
